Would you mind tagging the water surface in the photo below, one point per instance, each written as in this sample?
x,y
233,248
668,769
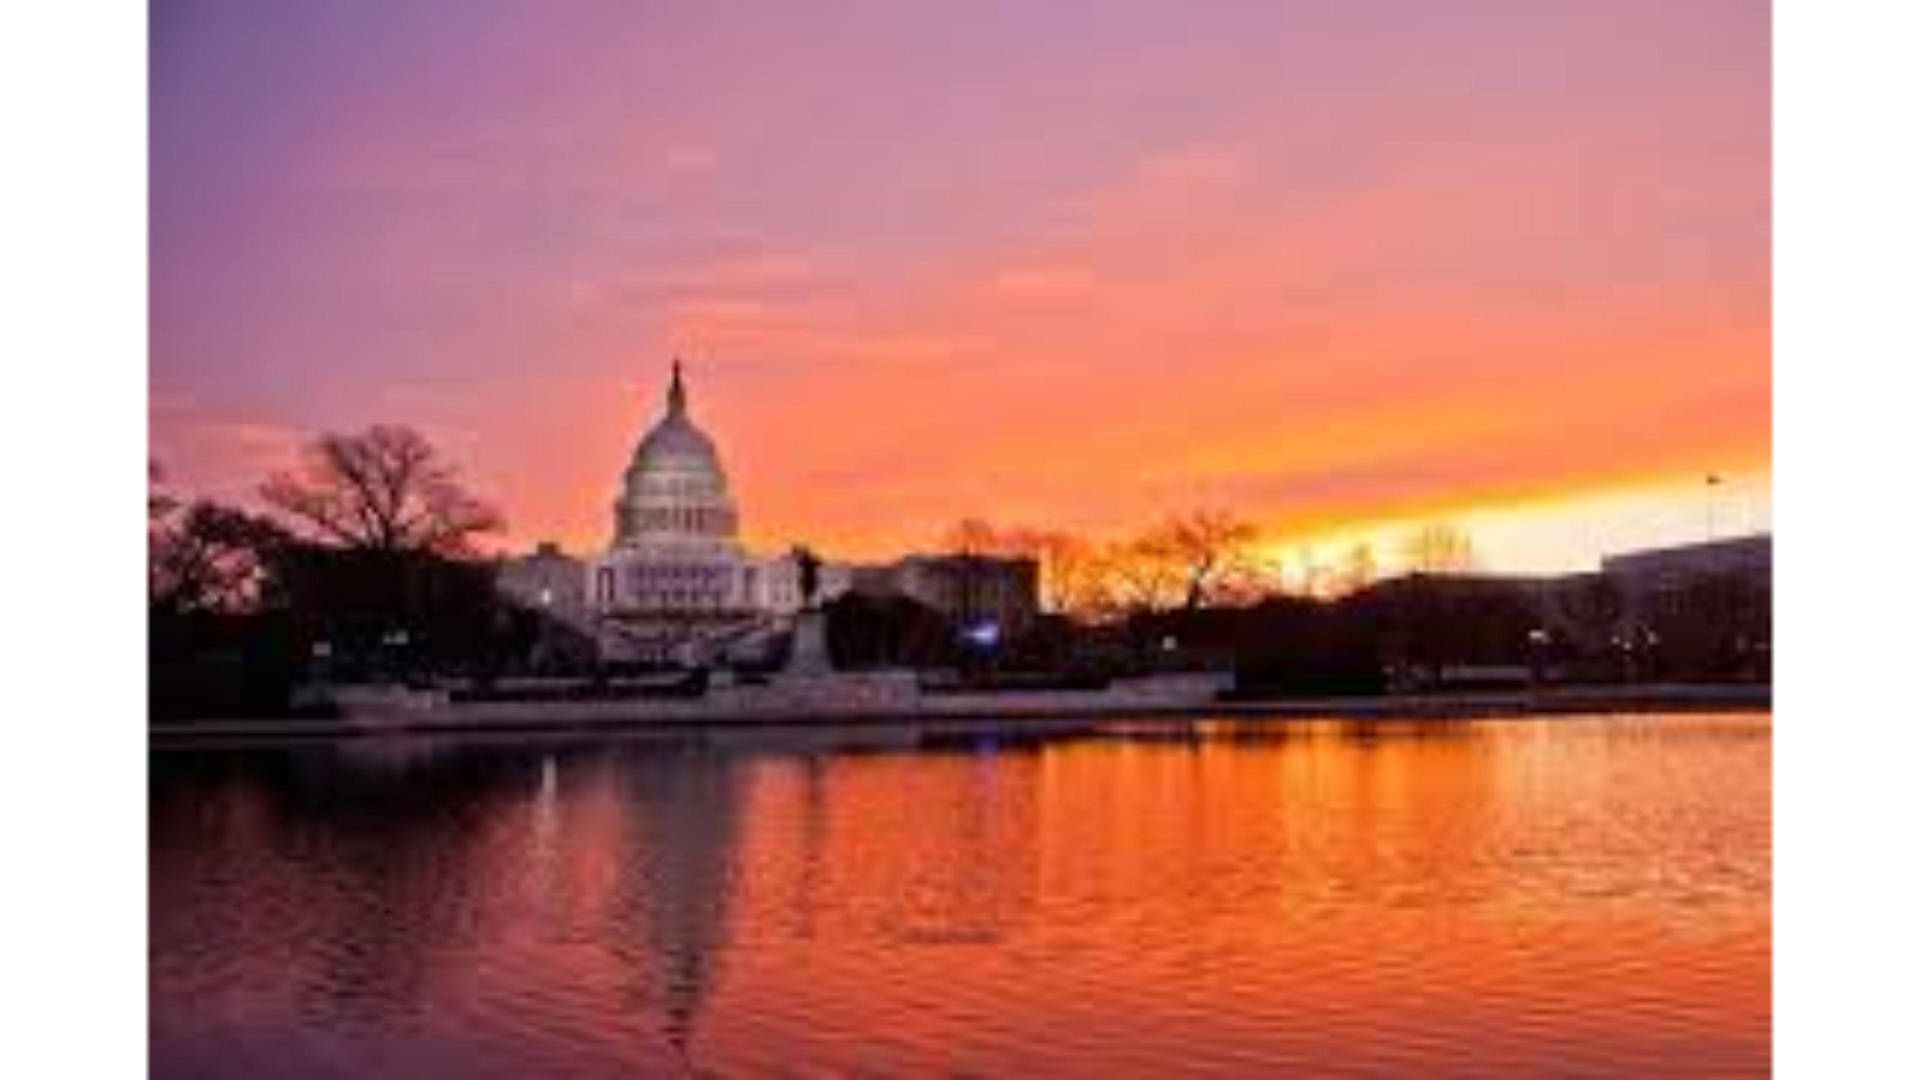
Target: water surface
x,y
1485,899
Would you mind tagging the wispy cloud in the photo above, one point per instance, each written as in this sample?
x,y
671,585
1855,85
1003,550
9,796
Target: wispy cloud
x,y
1327,264
205,450
1190,168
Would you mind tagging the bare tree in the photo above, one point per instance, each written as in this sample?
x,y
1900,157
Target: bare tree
x,y
1360,569
1198,548
386,489
972,536
1085,582
161,503
1077,576
1071,572
1141,575
1439,548
207,558
1311,578
1187,560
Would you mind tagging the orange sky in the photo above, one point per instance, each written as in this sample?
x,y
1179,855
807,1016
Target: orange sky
x,y
1335,269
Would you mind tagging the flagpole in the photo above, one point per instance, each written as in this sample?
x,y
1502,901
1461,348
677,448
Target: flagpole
x,y
1713,481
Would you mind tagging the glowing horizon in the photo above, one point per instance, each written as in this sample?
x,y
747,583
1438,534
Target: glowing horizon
x,y
1336,271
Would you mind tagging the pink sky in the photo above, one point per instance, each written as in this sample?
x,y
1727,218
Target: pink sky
x,y
1336,266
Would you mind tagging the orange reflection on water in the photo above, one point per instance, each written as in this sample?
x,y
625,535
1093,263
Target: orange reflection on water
x,y
1496,898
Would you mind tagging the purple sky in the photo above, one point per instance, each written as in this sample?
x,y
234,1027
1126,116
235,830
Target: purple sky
x,y
1334,265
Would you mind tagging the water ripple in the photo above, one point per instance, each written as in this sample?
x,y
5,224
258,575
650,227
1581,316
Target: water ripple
x,y
1577,898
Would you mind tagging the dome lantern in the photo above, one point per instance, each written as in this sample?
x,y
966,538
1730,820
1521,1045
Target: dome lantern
x,y
674,490
676,393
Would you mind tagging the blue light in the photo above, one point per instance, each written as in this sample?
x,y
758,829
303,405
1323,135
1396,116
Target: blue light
x,y
984,634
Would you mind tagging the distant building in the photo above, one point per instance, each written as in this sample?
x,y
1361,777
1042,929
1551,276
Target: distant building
x,y
548,579
1645,575
970,589
1702,607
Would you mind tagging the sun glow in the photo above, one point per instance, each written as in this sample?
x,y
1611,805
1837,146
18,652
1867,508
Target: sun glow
x,y
1338,292
1553,534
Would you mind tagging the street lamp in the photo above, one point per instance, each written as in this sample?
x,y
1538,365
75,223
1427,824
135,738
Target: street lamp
x,y
1536,653
983,635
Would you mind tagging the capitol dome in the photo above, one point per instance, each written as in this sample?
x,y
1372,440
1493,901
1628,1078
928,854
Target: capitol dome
x,y
674,491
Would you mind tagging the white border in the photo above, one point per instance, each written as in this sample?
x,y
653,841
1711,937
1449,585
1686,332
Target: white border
x,y
73,203
1847,299
72,91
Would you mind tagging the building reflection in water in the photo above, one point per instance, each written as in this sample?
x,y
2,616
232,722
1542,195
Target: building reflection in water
x,y
677,876
1250,899
813,845
348,888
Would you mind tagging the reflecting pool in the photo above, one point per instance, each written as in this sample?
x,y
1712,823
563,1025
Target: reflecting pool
x,y
1573,897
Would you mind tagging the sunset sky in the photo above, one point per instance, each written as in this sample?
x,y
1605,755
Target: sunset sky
x,y
1336,265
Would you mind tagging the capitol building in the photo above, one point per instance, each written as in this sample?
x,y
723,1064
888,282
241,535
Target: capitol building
x,y
674,584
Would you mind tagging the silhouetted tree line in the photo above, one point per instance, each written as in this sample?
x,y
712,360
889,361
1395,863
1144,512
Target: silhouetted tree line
x,y
1184,561
1424,630
1193,591
1281,644
1190,561
363,566
1365,642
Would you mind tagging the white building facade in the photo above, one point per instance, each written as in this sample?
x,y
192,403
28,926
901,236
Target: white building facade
x,y
675,584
